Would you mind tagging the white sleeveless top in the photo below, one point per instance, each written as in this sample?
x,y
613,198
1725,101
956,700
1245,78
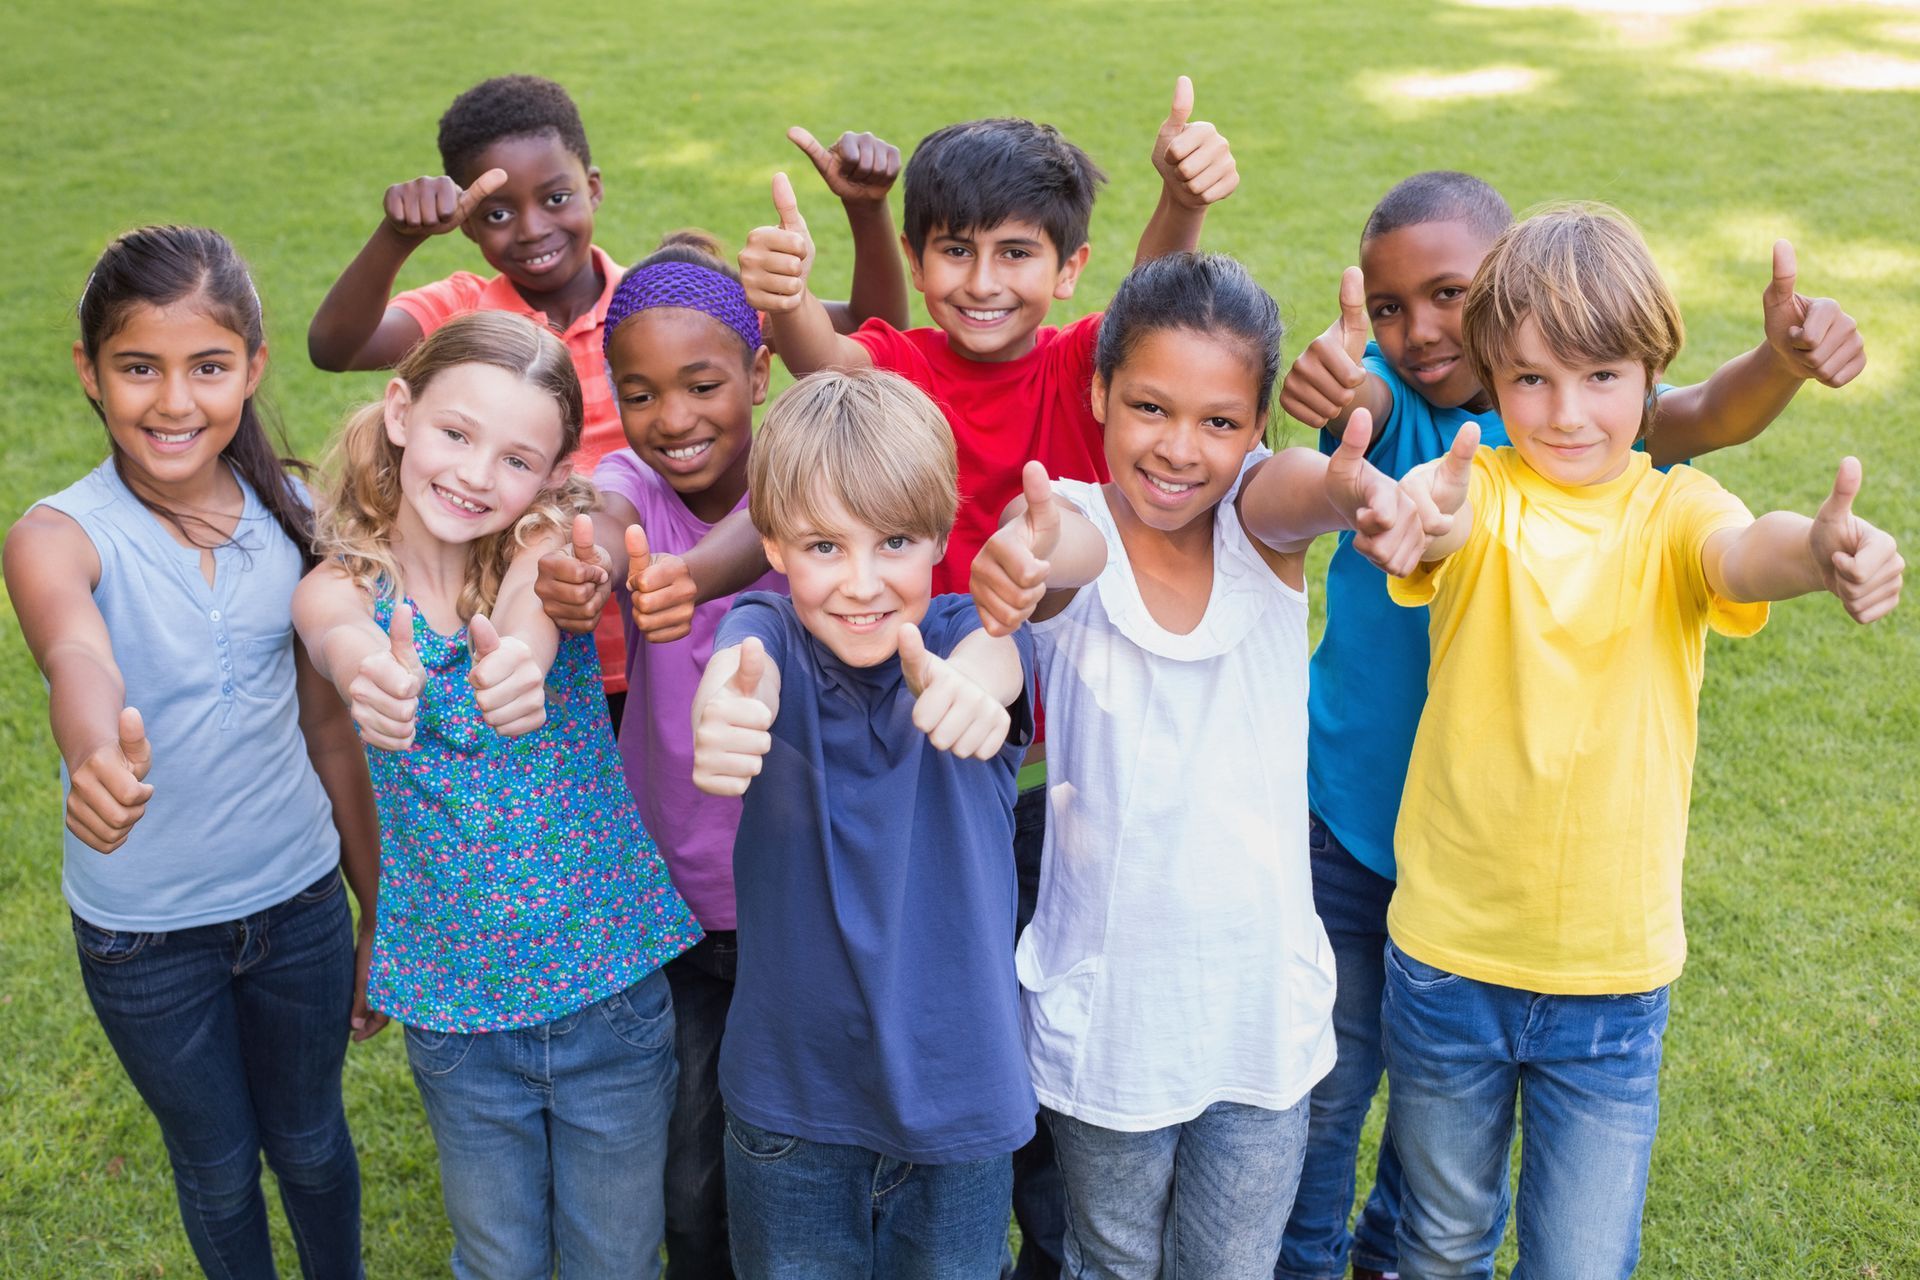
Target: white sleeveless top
x,y
1174,959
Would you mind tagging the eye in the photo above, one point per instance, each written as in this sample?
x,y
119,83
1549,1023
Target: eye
x,y
822,548
1605,375
1018,254
211,369
559,198
705,388
898,542
1222,424
496,215
1529,379
517,462
140,370
454,435
1449,293
1386,310
637,399
956,251
1149,408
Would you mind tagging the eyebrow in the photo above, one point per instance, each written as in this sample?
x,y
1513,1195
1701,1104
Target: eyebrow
x,y
514,446
150,355
1210,409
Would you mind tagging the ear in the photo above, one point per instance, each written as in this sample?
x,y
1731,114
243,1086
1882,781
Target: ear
x,y
913,263
774,556
256,369
594,190
762,370
1070,272
89,375
940,549
1099,398
1259,433
561,470
399,399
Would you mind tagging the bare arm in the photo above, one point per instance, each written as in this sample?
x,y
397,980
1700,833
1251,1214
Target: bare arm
x,y
861,169
729,559
378,675
774,270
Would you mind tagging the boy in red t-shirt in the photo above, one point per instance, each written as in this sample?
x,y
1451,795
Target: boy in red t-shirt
x,y
521,184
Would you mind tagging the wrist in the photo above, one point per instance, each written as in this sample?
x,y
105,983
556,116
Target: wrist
x,y
867,210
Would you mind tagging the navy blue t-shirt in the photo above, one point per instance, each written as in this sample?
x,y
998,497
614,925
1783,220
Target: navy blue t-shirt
x,y
876,1004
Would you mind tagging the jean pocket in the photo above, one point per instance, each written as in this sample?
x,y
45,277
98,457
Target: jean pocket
x,y
1417,974
1316,836
320,890
642,1015
108,946
1648,1000
759,1144
437,1053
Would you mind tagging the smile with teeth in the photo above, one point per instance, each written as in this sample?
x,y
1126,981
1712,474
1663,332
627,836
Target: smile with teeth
x,y
986,317
1167,486
686,453
453,499
543,260
864,619
173,437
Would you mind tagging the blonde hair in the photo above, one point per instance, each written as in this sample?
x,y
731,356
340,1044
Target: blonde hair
x,y
1588,280
357,512
868,438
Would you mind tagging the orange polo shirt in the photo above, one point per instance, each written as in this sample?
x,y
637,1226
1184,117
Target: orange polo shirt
x,y
433,305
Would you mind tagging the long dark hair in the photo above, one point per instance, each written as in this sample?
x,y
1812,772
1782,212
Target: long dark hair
x,y
1204,293
158,267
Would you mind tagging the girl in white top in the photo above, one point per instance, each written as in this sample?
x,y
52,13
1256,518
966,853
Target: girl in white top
x,y
1177,985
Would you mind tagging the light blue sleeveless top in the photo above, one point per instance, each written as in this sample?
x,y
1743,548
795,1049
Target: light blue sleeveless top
x,y
238,820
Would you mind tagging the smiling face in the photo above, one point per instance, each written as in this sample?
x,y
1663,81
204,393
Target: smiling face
x,y
1416,280
990,288
686,388
1181,414
172,383
477,445
1573,421
854,585
537,230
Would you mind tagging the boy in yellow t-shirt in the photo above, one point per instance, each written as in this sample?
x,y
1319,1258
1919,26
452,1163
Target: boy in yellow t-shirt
x,y
1537,919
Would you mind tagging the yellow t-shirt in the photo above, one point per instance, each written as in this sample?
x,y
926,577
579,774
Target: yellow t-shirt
x,y
1545,815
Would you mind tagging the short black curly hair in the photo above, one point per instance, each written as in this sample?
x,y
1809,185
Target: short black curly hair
x,y
507,107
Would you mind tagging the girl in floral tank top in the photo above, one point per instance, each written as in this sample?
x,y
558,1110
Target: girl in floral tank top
x,y
523,912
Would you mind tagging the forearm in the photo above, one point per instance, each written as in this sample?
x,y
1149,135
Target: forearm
x,y
341,763
85,696
879,289
339,650
992,662
1731,407
1079,557
728,560
1173,228
1286,505
518,612
1770,559
807,341
354,307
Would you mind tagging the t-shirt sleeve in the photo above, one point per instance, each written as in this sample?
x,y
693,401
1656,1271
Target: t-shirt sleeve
x,y
1484,490
1076,346
1700,509
761,614
889,347
619,473
434,304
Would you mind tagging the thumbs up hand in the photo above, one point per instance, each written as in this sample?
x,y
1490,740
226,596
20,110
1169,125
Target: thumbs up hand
x,y
1438,489
106,793
508,685
1328,375
434,206
1387,526
384,694
732,733
776,261
662,588
573,585
1009,575
1858,563
956,714
1813,337
859,167
1194,161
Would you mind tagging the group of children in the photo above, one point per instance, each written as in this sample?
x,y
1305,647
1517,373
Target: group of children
x,y
708,837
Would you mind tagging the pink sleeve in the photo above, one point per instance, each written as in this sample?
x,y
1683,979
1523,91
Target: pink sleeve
x,y
619,473
434,304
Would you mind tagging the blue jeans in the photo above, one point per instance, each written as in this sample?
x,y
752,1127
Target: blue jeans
x,y
1203,1198
1352,903
1039,1195
234,1035
553,1138
802,1210
1586,1073
702,981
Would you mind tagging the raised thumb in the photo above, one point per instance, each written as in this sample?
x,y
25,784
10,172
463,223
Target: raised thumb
x,y
582,545
481,637
913,652
753,665
133,742
1846,484
1043,515
786,205
1353,313
637,555
1786,270
1182,109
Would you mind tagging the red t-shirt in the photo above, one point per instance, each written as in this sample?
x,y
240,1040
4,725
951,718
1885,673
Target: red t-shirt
x,y
1002,414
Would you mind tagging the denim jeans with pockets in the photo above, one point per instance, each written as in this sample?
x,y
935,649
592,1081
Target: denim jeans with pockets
x,y
1585,1071
234,1034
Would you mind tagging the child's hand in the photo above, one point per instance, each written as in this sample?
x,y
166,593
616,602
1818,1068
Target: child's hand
x,y
662,590
1387,527
1438,488
384,694
365,1020
1858,563
508,685
106,793
435,206
956,714
1328,374
1010,574
1194,161
733,733
776,260
1813,337
859,167
573,585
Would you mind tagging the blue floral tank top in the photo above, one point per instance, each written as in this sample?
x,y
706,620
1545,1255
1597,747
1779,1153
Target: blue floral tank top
x,y
517,883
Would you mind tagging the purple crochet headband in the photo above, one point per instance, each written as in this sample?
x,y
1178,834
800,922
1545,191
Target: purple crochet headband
x,y
683,284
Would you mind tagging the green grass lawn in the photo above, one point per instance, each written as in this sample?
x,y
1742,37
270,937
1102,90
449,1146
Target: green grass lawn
x,y
1792,1097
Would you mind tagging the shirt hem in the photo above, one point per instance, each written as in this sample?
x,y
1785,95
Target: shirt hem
x,y
641,969
1128,1123
854,1136
1534,980
247,906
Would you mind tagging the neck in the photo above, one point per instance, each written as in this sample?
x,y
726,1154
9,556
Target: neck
x,y
433,572
711,504
212,489
1190,544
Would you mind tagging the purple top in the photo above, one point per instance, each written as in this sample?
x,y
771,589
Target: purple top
x,y
693,829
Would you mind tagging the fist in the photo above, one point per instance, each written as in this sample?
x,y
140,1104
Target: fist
x,y
509,687
1858,563
106,793
435,206
661,588
1327,377
957,715
1009,576
733,732
776,261
1813,337
857,168
383,696
573,585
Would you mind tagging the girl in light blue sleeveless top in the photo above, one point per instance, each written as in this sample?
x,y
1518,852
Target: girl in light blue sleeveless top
x,y
212,783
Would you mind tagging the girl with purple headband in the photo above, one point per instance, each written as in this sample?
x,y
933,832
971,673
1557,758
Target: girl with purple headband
x,y
685,356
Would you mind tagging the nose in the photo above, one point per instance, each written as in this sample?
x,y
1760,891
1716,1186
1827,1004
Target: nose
x,y
1569,408
678,415
1423,326
475,469
531,223
862,581
176,395
1177,445
980,281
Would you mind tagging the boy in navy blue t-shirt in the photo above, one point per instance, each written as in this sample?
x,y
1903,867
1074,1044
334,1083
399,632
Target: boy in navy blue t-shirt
x,y
872,1066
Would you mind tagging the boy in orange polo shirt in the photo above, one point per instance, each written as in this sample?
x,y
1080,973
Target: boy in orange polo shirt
x,y
521,184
